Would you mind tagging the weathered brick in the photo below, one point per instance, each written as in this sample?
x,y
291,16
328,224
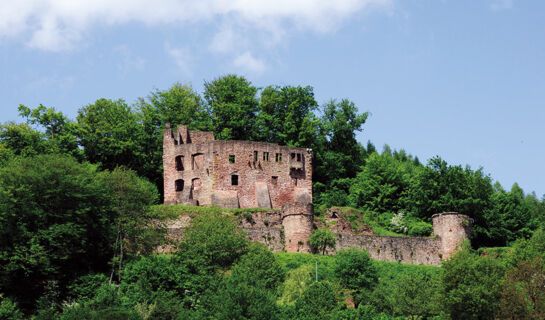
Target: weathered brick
x,y
242,174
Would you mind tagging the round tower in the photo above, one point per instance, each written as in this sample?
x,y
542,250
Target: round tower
x,y
452,228
297,219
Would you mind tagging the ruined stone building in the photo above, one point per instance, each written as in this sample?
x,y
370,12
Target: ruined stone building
x,y
199,170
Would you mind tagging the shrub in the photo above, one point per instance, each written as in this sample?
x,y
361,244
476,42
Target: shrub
x,y
9,310
355,271
420,229
317,301
321,239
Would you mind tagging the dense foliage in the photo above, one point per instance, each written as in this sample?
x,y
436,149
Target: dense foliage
x,y
78,225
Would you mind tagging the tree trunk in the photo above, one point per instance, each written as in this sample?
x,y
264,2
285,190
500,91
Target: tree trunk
x,y
115,252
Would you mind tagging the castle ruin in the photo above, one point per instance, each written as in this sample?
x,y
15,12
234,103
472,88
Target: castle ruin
x,y
199,170
202,171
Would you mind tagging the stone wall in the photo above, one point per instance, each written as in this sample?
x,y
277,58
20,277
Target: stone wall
x,y
411,250
272,237
289,230
199,170
297,219
452,228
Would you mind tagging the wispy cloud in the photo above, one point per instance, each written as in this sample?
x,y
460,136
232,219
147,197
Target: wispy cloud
x,y
247,61
182,58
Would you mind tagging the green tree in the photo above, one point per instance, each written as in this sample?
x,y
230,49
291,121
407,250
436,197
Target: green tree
x,y
60,132
233,104
322,239
9,310
56,224
21,140
439,187
178,105
211,244
509,217
131,198
338,155
472,285
108,133
417,295
382,184
297,281
250,291
259,268
286,116
356,272
317,301
216,238
522,294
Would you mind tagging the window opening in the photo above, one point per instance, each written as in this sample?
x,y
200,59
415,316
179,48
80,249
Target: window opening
x,y
298,157
292,155
179,184
180,163
231,158
274,180
234,180
255,155
198,161
278,157
265,156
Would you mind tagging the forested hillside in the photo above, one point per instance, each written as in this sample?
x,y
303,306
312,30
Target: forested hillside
x,y
77,231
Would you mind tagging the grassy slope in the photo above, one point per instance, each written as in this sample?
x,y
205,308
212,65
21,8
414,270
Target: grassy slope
x,y
387,271
173,211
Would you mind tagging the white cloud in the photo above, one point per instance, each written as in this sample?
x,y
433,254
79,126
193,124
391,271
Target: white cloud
x,y
58,24
248,62
181,57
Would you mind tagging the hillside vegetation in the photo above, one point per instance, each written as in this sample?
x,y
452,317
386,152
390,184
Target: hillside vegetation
x,y
79,205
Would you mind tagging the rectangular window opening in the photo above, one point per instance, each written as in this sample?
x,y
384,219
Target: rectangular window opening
x,y
278,157
265,156
231,159
255,155
274,180
298,157
180,163
179,185
234,180
292,155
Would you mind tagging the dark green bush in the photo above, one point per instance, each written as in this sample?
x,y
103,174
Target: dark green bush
x,y
419,229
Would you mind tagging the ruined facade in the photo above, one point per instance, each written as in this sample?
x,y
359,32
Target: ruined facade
x,y
199,170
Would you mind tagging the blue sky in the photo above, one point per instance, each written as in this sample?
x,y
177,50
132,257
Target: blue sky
x,y
464,80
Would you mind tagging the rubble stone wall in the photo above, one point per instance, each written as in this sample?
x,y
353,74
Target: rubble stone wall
x,y
411,250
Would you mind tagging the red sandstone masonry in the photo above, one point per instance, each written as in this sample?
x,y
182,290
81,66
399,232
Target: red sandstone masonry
x,y
267,175
452,228
297,219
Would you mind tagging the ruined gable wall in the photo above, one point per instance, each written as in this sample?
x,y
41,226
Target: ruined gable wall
x,y
257,174
207,171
